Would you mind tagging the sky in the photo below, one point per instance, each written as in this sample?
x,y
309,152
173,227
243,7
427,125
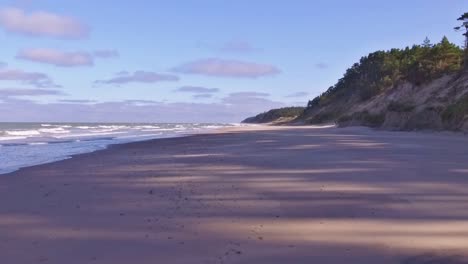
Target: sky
x,y
193,60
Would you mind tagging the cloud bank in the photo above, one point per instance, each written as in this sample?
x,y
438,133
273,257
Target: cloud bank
x,y
247,98
56,57
77,101
139,77
64,59
202,96
40,23
196,89
298,94
17,92
227,68
37,79
233,108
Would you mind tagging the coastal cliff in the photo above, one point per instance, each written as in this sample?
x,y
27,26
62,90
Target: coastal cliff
x,y
419,87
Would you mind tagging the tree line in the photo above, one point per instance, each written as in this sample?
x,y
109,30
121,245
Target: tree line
x,y
383,70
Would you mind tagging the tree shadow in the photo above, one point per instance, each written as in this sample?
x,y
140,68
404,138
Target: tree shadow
x,y
291,195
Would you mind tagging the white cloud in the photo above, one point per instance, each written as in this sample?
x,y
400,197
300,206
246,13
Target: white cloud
x,y
249,94
202,96
18,92
139,77
141,102
41,23
297,94
56,57
63,58
36,79
232,108
247,99
196,89
227,68
77,101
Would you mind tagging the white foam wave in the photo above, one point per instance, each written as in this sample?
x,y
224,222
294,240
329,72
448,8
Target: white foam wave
x,y
38,143
3,138
58,130
22,133
30,144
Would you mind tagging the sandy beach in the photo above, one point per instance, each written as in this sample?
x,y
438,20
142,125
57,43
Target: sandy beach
x,y
246,195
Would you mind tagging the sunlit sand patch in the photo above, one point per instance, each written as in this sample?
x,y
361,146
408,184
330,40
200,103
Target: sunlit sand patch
x,y
199,155
398,234
460,170
81,233
360,143
301,147
298,171
266,141
13,219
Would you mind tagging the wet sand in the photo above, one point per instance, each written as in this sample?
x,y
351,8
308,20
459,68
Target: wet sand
x,y
246,195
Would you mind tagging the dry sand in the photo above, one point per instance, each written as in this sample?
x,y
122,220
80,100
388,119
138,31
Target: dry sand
x,y
258,195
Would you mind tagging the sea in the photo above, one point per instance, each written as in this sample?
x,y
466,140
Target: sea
x,y
28,144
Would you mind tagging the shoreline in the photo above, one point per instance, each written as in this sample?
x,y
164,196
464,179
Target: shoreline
x,y
207,131
266,125
245,195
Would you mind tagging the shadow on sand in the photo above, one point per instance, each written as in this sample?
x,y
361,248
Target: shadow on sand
x,y
276,196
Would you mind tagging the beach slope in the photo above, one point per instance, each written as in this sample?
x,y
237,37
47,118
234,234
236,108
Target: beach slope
x,y
246,195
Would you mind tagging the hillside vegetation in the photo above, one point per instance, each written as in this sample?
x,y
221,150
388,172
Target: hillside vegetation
x,y
276,115
420,87
383,73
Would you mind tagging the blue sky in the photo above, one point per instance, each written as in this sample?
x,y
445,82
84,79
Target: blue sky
x,y
193,60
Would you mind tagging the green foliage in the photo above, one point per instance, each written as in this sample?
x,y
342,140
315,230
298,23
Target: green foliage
x,y
323,117
275,114
400,107
314,102
364,118
464,24
457,112
382,70
427,43
464,28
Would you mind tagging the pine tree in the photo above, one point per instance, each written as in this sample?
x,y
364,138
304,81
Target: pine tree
x,y
464,27
426,43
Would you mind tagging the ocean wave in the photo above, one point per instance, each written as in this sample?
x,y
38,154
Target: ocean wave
x,y
88,134
58,130
114,127
145,127
26,133
139,136
30,144
6,138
